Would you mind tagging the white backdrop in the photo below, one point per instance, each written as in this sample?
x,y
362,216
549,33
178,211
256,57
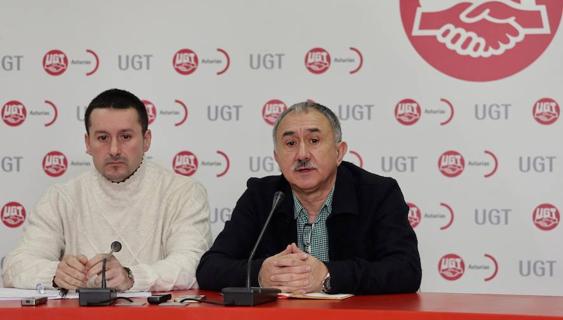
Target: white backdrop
x,y
468,124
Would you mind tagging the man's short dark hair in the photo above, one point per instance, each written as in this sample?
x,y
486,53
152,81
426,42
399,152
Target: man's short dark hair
x,y
118,99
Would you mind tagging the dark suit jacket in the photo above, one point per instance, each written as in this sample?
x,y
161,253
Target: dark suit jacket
x,y
372,247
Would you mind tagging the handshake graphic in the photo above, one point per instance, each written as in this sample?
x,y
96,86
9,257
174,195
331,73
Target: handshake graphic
x,y
480,28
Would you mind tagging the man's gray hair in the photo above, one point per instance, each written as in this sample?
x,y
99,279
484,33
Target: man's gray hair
x,y
305,107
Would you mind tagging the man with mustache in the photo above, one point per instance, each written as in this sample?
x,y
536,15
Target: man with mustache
x,y
340,229
161,219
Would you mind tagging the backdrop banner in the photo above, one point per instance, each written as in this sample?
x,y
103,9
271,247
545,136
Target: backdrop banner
x,y
458,100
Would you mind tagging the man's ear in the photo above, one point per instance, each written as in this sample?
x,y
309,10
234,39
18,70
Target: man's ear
x,y
87,144
341,149
147,138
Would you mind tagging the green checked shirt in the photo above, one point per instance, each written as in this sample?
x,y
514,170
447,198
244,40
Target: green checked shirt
x,y
313,237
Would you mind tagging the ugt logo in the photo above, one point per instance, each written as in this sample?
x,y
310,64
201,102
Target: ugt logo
x,y
13,214
185,163
14,113
55,62
272,110
55,164
185,61
480,40
317,60
451,163
451,267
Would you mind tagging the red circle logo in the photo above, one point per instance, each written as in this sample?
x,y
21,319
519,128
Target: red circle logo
x,y
451,163
272,110
13,214
407,112
151,110
480,40
55,164
451,267
546,111
185,61
414,215
317,60
55,62
14,113
185,163
546,217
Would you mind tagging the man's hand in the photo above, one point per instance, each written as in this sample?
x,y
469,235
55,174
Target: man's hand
x,y
71,272
317,274
293,270
286,270
116,275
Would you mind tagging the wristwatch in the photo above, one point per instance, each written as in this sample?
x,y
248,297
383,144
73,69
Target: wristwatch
x,y
326,284
129,274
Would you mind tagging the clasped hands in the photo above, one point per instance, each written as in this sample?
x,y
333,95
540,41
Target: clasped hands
x,y
293,270
77,271
479,28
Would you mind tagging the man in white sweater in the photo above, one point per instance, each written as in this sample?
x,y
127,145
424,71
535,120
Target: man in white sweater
x,y
161,219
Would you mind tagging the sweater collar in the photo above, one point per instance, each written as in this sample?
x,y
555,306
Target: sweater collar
x,y
126,189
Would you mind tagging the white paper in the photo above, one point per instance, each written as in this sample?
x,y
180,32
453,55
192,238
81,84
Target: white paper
x,y
316,295
17,294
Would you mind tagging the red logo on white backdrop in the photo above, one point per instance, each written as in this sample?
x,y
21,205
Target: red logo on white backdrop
x,y
451,214
272,110
451,163
96,62
185,109
358,156
185,61
317,60
185,163
13,214
451,267
407,112
546,111
546,217
227,164
55,164
480,40
495,267
151,110
227,63
14,113
55,62
414,215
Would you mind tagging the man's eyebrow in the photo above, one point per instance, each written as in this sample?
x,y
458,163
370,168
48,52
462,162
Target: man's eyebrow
x,y
288,133
291,133
120,131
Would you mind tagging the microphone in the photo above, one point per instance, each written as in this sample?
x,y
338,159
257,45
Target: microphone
x,y
115,247
251,296
102,296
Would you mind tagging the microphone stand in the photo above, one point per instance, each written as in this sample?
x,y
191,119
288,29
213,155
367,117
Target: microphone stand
x,y
251,296
102,296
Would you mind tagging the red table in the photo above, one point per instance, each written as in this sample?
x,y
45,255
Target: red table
x,y
404,306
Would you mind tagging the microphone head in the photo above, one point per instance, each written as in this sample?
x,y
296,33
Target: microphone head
x,y
116,246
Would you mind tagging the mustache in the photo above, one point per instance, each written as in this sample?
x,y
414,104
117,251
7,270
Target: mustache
x,y
303,164
115,159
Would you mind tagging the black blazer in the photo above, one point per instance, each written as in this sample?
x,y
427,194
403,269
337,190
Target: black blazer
x,y
372,247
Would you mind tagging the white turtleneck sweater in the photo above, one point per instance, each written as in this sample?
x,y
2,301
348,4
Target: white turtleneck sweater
x,y
161,220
